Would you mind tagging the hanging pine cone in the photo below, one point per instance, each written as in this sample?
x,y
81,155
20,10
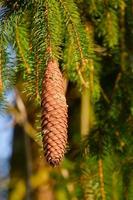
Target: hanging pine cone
x,y
54,114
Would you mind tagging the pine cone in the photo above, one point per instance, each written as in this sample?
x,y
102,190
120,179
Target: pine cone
x,y
54,114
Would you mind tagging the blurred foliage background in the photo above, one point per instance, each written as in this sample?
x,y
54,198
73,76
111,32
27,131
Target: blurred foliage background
x,y
93,43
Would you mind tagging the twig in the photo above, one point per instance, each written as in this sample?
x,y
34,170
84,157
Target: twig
x,y
105,96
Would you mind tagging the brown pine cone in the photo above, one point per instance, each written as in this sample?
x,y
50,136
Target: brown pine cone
x,y
54,114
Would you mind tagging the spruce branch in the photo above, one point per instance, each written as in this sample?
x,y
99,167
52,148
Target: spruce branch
x,y
20,47
91,80
101,176
37,78
53,29
38,31
1,60
1,82
33,80
47,30
108,28
73,23
111,26
83,82
3,70
113,178
48,38
123,54
89,179
105,95
78,38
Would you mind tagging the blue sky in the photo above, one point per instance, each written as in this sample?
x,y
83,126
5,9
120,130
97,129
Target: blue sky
x,y
6,128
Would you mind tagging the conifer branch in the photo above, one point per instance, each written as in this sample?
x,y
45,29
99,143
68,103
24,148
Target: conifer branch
x,y
105,96
37,78
91,79
1,84
65,5
21,51
108,28
101,176
123,54
112,29
83,82
53,28
122,49
49,49
76,32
